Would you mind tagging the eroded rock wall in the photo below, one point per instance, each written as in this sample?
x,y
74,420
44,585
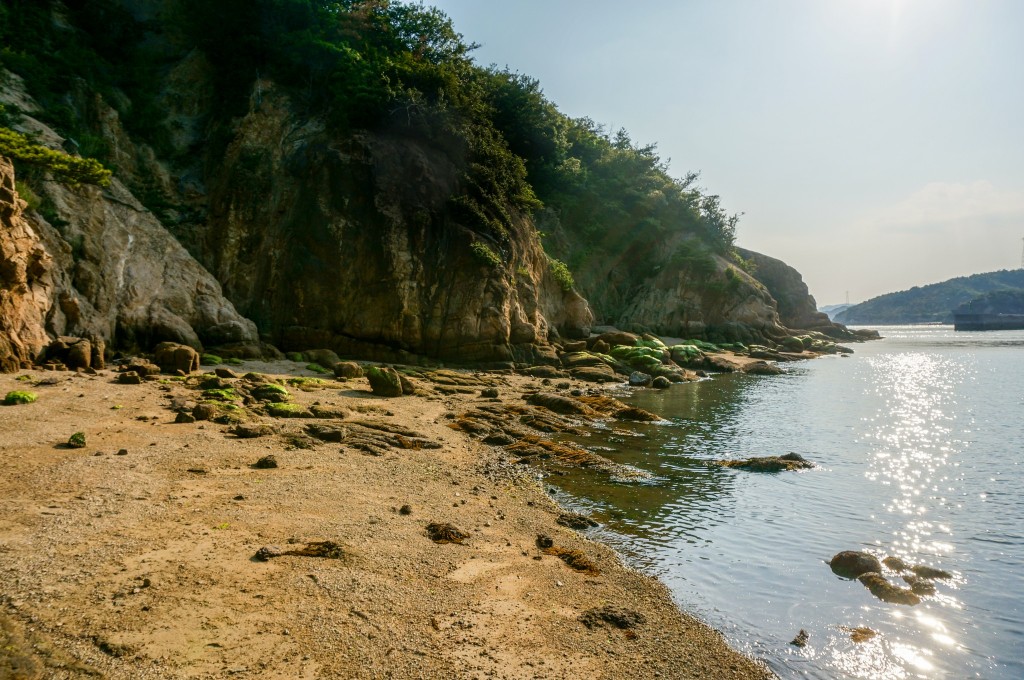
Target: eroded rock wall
x,y
26,281
99,264
351,244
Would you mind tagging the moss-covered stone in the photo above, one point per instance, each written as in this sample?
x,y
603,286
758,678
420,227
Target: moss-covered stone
x,y
271,392
307,384
220,394
384,381
210,360
317,368
792,344
287,410
19,397
789,461
297,357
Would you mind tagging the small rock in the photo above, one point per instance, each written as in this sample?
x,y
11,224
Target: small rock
x,y
661,382
204,411
489,392
129,378
544,541
639,379
247,431
121,452
266,463
183,417
267,552
445,533
801,638
405,510
225,373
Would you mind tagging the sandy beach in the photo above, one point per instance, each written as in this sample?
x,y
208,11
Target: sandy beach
x,y
136,556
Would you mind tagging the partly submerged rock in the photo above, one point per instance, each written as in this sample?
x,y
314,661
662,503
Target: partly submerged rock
x,y
887,592
639,379
924,571
789,461
852,563
575,520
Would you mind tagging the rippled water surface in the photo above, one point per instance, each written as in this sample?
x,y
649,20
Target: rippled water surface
x,y
919,440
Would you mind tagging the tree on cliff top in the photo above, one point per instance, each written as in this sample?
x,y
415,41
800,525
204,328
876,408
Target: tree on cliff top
x,y
373,64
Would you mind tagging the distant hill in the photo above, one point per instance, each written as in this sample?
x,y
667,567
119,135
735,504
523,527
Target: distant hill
x,y
933,303
834,310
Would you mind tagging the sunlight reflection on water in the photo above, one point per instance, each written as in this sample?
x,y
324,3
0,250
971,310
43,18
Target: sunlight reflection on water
x,y
918,441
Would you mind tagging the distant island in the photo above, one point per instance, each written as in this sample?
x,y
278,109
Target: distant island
x,y
998,310
933,303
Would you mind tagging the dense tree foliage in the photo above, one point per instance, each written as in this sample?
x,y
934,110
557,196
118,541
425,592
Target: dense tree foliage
x,y
373,64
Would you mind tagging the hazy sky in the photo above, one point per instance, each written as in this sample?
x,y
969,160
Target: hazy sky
x,y
874,145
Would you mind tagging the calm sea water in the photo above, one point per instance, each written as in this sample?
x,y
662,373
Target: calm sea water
x,y
919,439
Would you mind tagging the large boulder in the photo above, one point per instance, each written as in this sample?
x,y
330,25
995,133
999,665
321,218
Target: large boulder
x,y
75,353
171,357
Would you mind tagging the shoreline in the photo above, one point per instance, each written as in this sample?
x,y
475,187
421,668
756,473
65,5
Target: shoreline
x,y
142,565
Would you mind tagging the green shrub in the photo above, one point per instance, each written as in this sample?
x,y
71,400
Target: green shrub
x,y
19,397
561,274
77,440
485,254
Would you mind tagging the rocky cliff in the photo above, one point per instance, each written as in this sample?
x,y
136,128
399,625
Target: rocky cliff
x,y
247,210
26,281
100,265
352,244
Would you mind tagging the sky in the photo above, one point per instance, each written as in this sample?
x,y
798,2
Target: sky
x,y
874,145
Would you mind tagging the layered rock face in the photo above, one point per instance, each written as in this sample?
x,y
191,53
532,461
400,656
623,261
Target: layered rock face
x,y
26,281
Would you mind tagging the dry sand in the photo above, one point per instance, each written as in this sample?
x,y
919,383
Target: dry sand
x,y
141,565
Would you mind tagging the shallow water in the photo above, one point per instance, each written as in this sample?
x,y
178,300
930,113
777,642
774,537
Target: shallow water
x,y
919,440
